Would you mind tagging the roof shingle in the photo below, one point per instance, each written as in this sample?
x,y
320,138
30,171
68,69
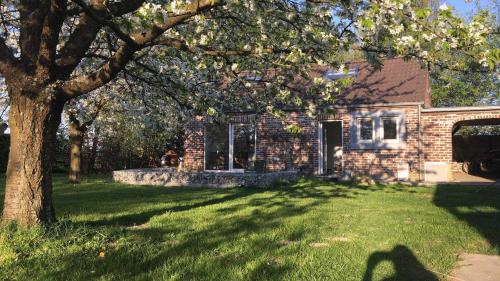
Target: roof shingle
x,y
398,81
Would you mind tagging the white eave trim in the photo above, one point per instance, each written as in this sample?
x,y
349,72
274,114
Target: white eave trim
x,y
368,105
461,108
387,104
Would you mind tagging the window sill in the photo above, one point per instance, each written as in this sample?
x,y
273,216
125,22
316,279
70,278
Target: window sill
x,y
379,145
225,171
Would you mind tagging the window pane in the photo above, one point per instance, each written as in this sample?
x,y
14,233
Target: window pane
x,y
366,129
390,129
217,147
244,147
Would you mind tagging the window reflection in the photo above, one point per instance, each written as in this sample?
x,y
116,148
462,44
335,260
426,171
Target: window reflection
x,y
244,147
366,129
217,147
390,129
229,147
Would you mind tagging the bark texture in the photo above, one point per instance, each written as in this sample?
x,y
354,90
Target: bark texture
x,y
76,134
28,192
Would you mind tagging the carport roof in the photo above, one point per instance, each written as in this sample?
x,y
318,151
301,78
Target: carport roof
x,y
479,122
461,108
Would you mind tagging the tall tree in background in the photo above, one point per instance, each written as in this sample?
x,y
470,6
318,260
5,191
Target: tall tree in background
x,y
54,51
81,116
125,124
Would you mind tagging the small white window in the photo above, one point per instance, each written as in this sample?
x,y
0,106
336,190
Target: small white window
x,y
335,75
378,130
365,129
390,128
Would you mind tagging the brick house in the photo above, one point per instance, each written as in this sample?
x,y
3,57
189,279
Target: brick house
x,y
383,127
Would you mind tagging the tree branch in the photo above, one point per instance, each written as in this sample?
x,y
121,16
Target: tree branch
x,y
84,84
195,8
115,28
10,67
98,108
209,51
32,14
86,31
49,39
439,64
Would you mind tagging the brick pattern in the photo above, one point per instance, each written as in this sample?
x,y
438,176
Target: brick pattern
x,y
279,150
382,163
194,145
438,126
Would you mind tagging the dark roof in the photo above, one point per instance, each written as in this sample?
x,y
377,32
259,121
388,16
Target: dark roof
x,y
398,81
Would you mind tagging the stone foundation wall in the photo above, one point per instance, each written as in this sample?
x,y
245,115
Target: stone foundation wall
x,y
165,177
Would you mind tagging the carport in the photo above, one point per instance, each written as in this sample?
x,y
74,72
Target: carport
x,y
457,141
476,150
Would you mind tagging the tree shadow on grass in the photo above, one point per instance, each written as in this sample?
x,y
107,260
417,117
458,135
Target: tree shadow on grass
x,y
242,236
477,206
115,201
143,217
216,251
406,265
248,233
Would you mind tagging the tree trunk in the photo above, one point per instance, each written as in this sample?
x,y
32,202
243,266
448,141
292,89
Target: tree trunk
x,y
33,124
76,133
93,152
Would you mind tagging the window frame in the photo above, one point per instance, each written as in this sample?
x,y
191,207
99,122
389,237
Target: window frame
x,y
231,146
230,137
378,141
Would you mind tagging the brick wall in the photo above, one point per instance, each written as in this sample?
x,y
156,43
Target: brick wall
x,y
280,150
194,145
437,127
382,163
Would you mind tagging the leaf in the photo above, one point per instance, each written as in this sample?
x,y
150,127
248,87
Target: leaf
x,y
422,13
368,23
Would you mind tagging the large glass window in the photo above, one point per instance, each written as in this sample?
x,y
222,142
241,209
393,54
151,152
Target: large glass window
x,y
243,146
217,147
229,147
390,128
365,129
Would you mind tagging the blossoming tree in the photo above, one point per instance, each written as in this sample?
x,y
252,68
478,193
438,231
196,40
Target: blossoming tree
x,y
53,51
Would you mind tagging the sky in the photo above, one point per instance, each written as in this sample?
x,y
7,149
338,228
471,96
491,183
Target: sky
x,y
463,7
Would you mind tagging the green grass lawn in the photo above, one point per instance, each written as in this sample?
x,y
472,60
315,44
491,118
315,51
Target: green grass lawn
x,y
305,231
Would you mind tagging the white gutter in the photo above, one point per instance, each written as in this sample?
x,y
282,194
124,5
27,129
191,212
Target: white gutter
x,y
368,105
421,154
385,104
461,108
